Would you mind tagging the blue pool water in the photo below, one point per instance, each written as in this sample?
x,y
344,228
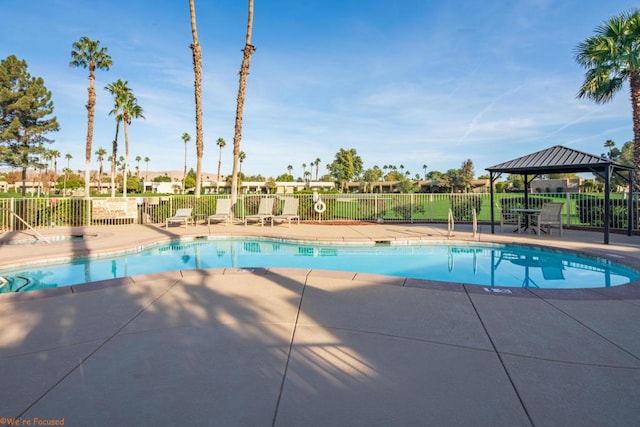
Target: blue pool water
x,y
487,265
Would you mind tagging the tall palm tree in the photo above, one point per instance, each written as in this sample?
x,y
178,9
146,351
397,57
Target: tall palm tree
x,y
100,152
87,53
68,157
220,143
289,169
424,168
244,72
186,138
611,57
120,91
130,110
146,174
197,71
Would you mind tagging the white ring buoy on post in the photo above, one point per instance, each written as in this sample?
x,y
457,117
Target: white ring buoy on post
x,y
319,206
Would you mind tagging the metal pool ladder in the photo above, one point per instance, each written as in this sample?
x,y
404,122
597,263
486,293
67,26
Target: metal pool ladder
x,y
38,235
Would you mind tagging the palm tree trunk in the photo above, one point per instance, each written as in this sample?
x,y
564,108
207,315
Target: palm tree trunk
x,y
197,70
125,171
244,72
91,106
184,173
114,157
219,164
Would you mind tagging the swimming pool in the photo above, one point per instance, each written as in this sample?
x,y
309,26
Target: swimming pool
x,y
478,264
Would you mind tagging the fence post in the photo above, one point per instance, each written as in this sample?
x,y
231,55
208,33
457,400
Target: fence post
x,y
412,201
568,217
12,222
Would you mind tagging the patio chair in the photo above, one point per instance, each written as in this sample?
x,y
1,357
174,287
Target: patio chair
x,y
182,216
289,211
549,216
265,211
223,213
508,218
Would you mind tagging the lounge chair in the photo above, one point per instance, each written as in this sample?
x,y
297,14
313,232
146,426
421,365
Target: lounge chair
x,y
223,213
289,211
549,215
265,211
182,216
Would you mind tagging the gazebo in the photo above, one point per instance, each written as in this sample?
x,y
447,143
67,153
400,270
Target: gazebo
x,y
559,159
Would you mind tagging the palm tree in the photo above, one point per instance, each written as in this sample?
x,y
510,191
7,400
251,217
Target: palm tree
x,y
120,91
146,174
244,72
424,168
197,71
290,169
100,152
186,138
68,157
138,158
130,110
87,53
611,57
241,158
220,143
304,170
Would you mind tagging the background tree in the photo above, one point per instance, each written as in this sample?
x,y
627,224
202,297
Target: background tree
x,y
424,168
120,91
241,156
609,145
146,173
466,174
87,53
371,177
346,166
220,142
130,110
25,110
612,57
100,152
186,138
244,72
317,164
55,155
138,158
197,72
68,157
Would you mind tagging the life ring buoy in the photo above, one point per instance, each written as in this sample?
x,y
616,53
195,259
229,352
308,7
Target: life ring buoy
x,y
319,207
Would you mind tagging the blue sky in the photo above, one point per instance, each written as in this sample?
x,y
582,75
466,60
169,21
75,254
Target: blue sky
x,y
408,82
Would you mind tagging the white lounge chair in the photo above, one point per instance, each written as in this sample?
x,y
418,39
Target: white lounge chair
x,y
182,216
549,215
223,213
265,211
289,211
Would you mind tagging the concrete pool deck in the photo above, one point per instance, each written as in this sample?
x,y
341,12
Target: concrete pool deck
x,y
308,347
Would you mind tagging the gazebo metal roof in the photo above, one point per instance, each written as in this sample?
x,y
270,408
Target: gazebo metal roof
x,y
557,159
